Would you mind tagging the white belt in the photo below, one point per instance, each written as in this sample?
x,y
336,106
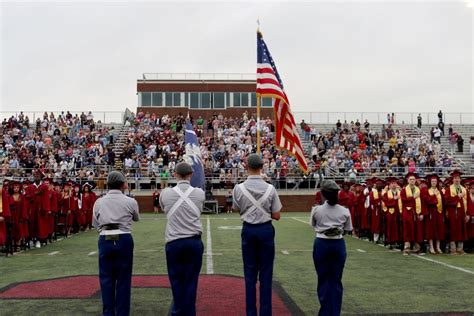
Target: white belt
x,y
318,235
113,232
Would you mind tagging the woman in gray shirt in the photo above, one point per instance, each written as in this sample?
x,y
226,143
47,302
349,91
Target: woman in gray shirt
x,y
330,220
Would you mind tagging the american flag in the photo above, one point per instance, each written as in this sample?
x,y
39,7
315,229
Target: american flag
x,y
269,84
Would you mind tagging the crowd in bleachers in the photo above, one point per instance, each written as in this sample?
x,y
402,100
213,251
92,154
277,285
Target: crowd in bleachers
x,y
357,149
75,146
61,146
156,144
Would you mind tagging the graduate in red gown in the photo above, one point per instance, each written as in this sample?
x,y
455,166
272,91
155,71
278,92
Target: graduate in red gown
x,y
88,200
76,207
43,204
358,207
375,197
4,212
392,205
457,201
363,204
55,205
19,213
469,184
432,200
412,215
346,198
66,216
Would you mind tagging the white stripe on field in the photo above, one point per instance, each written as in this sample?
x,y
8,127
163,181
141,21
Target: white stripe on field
x,y
446,264
300,220
53,253
285,252
360,250
209,262
92,253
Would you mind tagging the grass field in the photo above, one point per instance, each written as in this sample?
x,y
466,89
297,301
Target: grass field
x,y
376,280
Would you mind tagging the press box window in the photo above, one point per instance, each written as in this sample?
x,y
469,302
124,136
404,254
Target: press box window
x,y
205,100
157,99
194,100
219,100
176,99
146,99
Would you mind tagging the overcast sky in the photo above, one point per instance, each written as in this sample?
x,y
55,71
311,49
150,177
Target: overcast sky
x,y
332,56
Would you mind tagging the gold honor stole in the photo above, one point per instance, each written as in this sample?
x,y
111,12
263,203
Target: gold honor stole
x,y
417,200
453,192
439,206
384,207
390,196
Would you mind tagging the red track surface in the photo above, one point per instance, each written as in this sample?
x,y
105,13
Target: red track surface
x,y
217,294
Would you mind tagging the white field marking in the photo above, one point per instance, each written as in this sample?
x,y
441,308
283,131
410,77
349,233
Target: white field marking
x,y
285,252
213,254
92,253
209,262
229,227
445,264
360,250
300,220
53,253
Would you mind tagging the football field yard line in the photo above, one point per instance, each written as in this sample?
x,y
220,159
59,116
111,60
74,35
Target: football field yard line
x,y
209,262
445,264
300,220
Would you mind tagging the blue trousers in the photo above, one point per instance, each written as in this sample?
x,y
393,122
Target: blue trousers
x,y
115,273
329,256
184,260
258,254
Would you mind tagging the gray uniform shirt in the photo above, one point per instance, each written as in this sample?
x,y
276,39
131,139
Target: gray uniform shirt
x,y
257,187
115,208
184,222
325,216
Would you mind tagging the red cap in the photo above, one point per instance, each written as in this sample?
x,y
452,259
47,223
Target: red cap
x,y
432,176
456,173
379,181
411,174
468,182
68,184
391,179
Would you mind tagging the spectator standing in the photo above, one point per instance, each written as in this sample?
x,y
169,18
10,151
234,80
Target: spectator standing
x,y
440,116
460,142
419,119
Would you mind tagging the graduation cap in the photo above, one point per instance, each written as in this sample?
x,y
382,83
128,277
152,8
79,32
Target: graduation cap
x,y
391,180
468,182
411,174
26,182
68,184
456,173
379,181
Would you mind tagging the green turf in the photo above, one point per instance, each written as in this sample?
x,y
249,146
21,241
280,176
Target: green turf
x,y
376,281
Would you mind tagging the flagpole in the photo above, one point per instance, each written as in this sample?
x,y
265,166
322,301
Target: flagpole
x,y
258,122
258,103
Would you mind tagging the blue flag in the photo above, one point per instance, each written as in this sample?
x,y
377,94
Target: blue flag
x,y
193,157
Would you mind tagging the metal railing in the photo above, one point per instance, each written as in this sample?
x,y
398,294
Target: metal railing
x,y
428,118
408,118
284,182
106,117
199,76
